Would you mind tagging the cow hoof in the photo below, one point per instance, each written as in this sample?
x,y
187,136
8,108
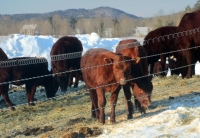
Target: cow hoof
x,y
130,117
12,108
187,77
143,111
101,123
31,104
112,122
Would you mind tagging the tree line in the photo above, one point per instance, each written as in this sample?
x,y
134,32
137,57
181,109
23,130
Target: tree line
x,y
104,26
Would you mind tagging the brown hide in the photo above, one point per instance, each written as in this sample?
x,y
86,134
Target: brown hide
x,y
142,86
18,72
159,41
157,68
104,71
189,37
66,45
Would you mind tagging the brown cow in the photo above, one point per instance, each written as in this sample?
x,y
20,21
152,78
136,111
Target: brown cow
x,y
22,72
66,45
105,71
141,84
160,41
170,64
189,37
157,69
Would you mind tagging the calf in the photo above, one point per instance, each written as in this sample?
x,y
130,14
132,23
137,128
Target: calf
x,y
105,71
140,83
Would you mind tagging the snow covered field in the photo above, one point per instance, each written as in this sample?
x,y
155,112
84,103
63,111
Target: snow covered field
x,y
169,123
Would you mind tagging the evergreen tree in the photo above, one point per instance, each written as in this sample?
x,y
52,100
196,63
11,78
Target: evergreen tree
x,y
197,5
73,23
159,23
188,9
101,28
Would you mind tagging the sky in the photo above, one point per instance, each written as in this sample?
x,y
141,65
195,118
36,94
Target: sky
x,y
141,8
168,123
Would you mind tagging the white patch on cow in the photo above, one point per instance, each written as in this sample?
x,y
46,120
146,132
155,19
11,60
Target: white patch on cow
x,y
171,57
174,59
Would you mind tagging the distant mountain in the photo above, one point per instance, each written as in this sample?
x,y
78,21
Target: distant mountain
x,y
76,13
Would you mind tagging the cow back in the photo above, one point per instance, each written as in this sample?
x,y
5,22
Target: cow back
x,y
66,45
159,41
96,72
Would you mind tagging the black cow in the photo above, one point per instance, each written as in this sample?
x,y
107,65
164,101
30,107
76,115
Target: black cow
x,y
21,72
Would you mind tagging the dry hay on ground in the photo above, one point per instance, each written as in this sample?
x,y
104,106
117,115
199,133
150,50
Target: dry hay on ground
x,y
69,115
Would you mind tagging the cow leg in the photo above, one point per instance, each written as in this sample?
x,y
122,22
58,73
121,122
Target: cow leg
x,y
70,79
94,98
151,69
129,104
113,102
163,62
30,90
193,69
189,62
76,79
101,105
4,92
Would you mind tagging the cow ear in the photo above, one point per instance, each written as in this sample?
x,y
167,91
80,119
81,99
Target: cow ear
x,y
108,60
136,60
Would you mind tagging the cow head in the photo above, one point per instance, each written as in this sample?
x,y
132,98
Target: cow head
x,y
121,66
142,90
51,85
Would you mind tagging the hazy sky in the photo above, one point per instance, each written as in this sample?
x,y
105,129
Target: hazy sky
x,y
143,8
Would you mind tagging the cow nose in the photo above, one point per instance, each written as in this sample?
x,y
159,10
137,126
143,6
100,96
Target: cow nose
x,y
122,81
146,103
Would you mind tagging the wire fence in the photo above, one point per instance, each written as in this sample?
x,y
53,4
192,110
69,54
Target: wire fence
x,y
11,63
120,102
35,60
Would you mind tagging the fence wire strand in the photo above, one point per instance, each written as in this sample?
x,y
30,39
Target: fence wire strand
x,y
79,54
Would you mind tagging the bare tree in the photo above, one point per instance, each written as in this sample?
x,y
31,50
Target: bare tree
x,y
46,28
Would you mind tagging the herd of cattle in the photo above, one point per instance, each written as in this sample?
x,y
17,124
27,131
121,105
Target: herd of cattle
x,y
106,71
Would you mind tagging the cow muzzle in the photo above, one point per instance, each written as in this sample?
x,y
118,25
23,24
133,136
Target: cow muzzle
x,y
123,81
146,103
